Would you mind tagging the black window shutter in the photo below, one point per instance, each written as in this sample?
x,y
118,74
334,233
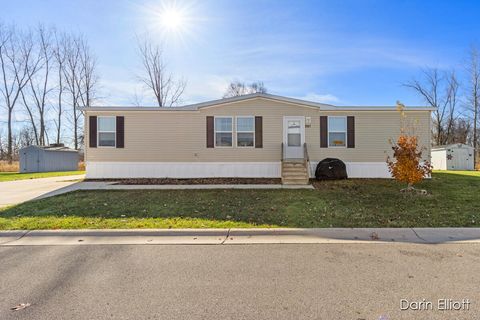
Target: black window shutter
x,y
350,132
323,132
258,132
210,140
120,132
92,131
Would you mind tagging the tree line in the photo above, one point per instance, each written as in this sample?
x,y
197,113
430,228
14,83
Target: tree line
x,y
457,101
46,75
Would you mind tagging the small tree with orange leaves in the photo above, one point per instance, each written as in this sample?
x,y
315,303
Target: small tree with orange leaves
x,y
407,165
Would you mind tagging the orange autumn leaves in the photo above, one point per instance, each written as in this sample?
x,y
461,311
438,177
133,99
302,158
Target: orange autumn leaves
x,y
407,165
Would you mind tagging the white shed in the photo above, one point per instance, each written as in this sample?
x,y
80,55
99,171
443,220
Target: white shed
x,y
48,158
456,156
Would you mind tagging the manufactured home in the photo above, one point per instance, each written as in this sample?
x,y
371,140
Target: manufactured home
x,y
251,136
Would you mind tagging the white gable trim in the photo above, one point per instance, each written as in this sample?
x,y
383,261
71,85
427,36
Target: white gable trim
x,y
264,96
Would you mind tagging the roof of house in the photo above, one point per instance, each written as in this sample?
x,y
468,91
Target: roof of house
x,y
266,96
452,145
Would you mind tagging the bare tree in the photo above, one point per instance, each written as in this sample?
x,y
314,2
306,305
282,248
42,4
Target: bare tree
x,y
461,130
59,56
473,69
240,88
71,73
441,92
16,70
79,73
36,93
2,146
452,114
166,89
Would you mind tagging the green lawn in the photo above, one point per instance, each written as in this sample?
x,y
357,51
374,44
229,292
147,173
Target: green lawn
x,y
454,201
11,176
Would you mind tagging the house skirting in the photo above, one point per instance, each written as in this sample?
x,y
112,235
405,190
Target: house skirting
x,y
360,169
113,170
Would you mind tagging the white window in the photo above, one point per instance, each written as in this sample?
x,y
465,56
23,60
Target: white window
x,y
223,132
294,133
245,131
337,131
106,131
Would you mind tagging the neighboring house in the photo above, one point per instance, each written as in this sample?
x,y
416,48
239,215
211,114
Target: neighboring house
x,y
455,156
256,135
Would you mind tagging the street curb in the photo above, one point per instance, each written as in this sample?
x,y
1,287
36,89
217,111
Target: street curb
x,y
240,236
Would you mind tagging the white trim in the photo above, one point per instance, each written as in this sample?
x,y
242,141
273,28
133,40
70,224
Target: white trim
x,y
215,131
113,170
103,131
237,132
328,132
452,146
265,96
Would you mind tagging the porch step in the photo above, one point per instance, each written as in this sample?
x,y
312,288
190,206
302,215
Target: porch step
x,y
301,174
295,180
294,172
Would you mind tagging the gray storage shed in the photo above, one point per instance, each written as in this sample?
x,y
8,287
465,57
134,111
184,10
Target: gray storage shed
x,y
48,158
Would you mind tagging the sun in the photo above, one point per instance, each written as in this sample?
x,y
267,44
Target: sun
x,y
172,19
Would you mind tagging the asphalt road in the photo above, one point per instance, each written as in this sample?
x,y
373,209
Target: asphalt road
x,y
308,281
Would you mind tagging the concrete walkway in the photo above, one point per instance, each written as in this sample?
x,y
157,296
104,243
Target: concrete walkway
x,y
241,236
112,186
14,192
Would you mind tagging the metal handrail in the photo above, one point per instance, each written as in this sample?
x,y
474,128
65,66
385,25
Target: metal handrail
x,y
305,153
283,153
306,159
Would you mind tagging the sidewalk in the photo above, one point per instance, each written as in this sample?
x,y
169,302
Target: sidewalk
x,y
15,192
93,185
241,236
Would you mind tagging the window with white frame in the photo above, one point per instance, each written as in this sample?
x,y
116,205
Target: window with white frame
x,y
106,131
223,131
245,131
337,131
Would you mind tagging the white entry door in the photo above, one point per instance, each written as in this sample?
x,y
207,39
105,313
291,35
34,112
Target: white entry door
x,y
293,137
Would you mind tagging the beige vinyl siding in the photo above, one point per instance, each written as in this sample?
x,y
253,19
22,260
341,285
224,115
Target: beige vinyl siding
x,y
180,136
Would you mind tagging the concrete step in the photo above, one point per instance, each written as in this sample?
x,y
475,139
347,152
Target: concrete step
x,y
299,171
293,164
293,167
299,181
294,172
302,174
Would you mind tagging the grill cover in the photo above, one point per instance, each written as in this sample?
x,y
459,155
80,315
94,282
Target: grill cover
x,y
331,168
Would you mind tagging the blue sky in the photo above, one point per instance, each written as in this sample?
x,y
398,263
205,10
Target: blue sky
x,y
339,52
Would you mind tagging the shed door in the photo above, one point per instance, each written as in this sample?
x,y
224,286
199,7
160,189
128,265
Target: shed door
x,y
31,160
459,159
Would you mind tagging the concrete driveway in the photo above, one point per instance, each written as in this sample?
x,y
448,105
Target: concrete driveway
x,y
15,192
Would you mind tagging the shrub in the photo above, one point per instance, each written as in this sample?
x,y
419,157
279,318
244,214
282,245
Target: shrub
x,y
407,165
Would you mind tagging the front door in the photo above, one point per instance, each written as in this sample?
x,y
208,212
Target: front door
x,y
293,137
